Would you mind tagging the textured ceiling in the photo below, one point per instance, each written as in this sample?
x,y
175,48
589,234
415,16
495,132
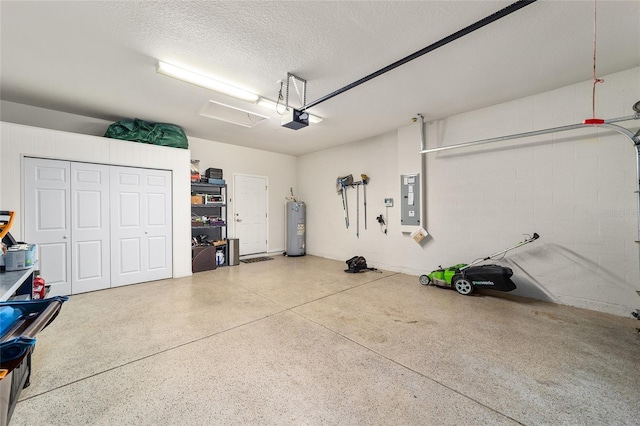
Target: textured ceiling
x,y
98,59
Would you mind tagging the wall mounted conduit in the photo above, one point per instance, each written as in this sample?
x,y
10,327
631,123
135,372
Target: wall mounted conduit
x,y
461,33
608,124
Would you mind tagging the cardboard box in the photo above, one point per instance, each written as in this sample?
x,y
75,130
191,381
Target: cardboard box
x,y
419,234
197,199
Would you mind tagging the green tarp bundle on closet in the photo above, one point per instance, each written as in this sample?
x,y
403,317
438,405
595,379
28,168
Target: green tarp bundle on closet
x,y
154,133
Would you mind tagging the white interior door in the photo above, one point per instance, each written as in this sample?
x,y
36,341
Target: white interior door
x,y
140,225
47,220
90,227
250,213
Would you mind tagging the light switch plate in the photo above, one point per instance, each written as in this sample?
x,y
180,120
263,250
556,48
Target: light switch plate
x,y
388,202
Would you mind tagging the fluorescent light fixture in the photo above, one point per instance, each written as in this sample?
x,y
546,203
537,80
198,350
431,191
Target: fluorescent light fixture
x,y
267,103
206,82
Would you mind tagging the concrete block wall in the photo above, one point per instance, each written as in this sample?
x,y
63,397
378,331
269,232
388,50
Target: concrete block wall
x,y
576,189
327,235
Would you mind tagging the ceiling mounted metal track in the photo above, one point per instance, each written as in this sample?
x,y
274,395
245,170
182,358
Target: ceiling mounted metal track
x,y
471,28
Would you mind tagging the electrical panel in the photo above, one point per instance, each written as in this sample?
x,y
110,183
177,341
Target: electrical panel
x,y
410,201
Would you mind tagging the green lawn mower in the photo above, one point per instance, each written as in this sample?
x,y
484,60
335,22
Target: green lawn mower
x,y
465,278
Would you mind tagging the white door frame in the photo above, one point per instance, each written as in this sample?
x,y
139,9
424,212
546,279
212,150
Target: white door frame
x,y
232,201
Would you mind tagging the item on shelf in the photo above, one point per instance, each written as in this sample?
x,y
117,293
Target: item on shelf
x,y
203,238
39,289
213,198
216,181
197,199
203,259
212,173
3,250
219,257
20,256
218,222
195,170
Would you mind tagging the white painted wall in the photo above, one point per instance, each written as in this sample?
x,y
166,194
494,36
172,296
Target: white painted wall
x,y
279,169
576,189
18,141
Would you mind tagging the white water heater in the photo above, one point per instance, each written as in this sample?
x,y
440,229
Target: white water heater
x,y
296,228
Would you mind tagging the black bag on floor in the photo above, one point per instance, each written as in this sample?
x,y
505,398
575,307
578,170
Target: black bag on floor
x,y
357,264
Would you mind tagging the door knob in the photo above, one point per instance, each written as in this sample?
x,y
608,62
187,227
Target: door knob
x,y
64,237
238,220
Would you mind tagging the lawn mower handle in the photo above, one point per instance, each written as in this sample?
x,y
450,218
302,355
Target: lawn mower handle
x,y
527,241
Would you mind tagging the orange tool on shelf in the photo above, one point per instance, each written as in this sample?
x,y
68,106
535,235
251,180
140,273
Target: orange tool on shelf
x,y
6,220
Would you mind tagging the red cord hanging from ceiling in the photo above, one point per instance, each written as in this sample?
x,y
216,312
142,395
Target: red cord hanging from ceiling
x,y
596,80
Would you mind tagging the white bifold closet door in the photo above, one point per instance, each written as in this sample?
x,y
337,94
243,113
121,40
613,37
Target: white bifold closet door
x,y
47,191
90,233
140,225
97,226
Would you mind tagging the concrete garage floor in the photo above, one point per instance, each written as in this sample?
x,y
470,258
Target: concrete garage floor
x,y
298,341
